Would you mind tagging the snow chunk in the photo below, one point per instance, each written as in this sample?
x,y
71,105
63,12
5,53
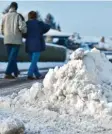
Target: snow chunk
x,y
11,126
78,54
35,91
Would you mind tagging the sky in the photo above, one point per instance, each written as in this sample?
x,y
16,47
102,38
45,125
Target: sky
x,y
87,18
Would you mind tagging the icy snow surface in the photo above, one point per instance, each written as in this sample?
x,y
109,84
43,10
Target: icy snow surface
x,y
70,99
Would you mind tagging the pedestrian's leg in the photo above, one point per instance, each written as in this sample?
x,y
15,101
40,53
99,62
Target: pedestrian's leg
x,y
12,60
16,70
30,70
36,71
9,49
33,67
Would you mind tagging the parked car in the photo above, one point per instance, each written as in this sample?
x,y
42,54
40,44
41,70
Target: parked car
x,y
60,38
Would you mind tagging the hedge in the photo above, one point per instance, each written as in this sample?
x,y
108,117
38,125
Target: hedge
x,y
52,53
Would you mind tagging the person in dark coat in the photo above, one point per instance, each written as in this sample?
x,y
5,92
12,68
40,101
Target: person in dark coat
x,y
35,43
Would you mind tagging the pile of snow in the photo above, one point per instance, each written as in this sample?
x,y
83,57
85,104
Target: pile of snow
x,y
84,84
11,126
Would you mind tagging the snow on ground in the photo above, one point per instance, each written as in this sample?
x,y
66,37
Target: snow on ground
x,y
53,32
25,65
73,99
56,45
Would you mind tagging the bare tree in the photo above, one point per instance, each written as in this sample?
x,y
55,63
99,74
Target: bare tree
x,y
39,16
50,20
6,10
58,27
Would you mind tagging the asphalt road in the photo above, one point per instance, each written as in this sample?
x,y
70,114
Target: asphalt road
x,y
7,87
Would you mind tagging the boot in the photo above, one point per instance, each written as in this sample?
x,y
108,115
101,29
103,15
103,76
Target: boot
x,y
40,77
30,78
16,75
9,77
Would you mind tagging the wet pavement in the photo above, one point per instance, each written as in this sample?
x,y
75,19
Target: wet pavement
x,y
8,87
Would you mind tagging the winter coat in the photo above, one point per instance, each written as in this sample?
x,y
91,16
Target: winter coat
x,y
34,37
12,28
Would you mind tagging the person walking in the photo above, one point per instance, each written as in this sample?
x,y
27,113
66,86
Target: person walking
x,y
35,43
13,26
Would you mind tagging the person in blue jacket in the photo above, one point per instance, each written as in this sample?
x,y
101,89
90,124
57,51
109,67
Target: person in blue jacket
x,y
35,43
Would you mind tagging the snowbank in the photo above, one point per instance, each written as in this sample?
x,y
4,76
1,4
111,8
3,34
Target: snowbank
x,y
83,84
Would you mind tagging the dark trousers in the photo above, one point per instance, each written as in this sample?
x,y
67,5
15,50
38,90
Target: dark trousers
x,y
12,51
